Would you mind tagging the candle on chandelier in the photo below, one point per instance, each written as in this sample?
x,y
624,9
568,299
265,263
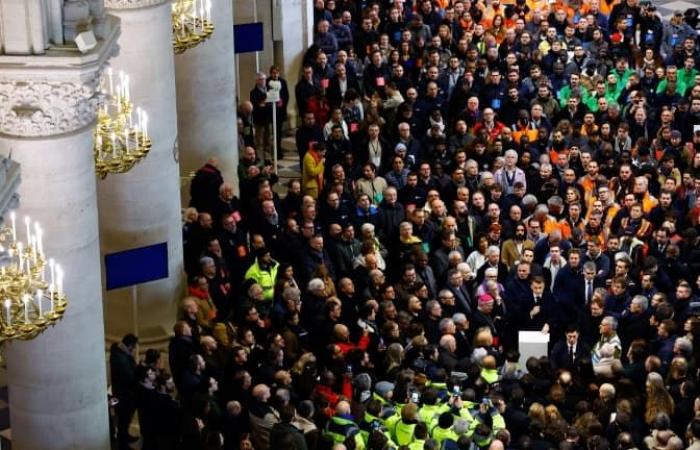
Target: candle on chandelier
x,y
8,313
21,256
139,121
208,10
182,26
59,278
52,270
39,298
39,239
13,218
126,88
27,222
114,144
145,125
98,144
25,300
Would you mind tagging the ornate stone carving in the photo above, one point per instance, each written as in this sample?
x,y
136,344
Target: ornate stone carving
x,y
132,4
43,107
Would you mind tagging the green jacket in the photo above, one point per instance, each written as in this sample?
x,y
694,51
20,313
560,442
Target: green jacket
x,y
429,413
339,429
440,434
265,278
565,94
402,433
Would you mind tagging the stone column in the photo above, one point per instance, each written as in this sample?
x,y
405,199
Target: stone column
x,y
206,104
295,37
57,381
142,207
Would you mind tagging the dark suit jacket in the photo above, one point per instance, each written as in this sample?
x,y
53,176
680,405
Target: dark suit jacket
x,y
559,357
335,97
462,298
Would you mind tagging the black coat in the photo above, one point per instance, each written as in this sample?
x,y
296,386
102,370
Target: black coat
x,y
204,189
179,351
122,368
559,357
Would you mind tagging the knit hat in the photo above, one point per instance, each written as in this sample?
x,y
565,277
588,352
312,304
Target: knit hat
x,y
675,134
400,148
383,388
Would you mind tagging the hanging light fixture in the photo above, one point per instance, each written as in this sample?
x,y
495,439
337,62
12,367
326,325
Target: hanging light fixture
x,y
31,288
192,23
121,134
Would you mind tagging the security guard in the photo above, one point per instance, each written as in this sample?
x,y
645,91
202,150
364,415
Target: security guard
x,y
342,427
402,432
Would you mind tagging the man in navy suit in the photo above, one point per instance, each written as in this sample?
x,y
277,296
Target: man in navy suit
x,y
568,352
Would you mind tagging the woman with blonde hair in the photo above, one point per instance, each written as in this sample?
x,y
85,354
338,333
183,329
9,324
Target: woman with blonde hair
x,y
658,398
537,413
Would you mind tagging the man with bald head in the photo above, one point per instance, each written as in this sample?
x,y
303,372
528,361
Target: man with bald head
x,y
342,427
341,338
448,357
262,417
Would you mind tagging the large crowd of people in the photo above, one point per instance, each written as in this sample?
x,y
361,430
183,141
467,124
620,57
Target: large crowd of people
x,y
470,169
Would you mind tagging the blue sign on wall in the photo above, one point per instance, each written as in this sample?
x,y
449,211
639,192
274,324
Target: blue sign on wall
x,y
248,37
137,265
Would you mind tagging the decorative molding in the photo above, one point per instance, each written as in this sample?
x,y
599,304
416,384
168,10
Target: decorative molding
x,y
45,107
132,4
56,93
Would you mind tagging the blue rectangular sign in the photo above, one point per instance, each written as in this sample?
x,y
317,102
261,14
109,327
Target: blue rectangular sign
x,y
137,265
248,37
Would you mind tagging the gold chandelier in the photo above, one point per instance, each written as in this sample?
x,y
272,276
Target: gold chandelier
x,y
29,303
121,134
192,23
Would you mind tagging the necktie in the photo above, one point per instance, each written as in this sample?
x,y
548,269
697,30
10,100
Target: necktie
x,y
571,353
589,291
537,300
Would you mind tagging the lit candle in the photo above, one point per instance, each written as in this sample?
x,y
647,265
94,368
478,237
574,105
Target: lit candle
x,y
145,125
114,144
98,144
182,25
8,314
39,239
208,10
126,140
27,222
52,269
21,256
39,298
51,291
59,278
25,300
126,88
14,227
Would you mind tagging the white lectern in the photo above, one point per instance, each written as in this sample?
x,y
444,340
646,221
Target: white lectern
x,y
532,343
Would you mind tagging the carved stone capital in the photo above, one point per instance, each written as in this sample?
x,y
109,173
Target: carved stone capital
x,y
47,107
53,94
132,4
